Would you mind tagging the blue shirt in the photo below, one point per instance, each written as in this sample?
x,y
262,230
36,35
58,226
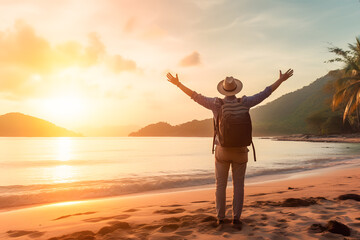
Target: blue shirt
x,y
214,104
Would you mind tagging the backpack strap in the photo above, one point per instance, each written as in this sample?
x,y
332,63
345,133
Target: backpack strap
x,y
213,145
216,128
253,147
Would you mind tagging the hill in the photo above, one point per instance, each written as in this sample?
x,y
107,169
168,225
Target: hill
x,y
285,115
196,128
21,125
288,113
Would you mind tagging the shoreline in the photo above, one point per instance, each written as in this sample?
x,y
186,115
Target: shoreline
x,y
335,138
165,215
250,180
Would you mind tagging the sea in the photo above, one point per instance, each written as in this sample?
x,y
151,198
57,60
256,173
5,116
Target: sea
x,y
37,171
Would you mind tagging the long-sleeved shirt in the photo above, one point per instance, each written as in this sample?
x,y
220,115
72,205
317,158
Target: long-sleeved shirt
x,y
214,104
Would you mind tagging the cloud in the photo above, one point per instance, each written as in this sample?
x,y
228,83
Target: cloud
x,y
154,32
119,64
130,24
24,54
23,48
191,60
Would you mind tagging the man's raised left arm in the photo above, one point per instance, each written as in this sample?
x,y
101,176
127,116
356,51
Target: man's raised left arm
x,y
258,98
282,78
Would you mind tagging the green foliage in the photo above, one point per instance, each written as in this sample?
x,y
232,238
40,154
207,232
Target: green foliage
x,y
335,125
316,120
288,114
347,85
327,122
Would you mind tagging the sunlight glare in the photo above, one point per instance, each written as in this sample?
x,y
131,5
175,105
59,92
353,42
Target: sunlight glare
x,y
63,149
63,174
65,107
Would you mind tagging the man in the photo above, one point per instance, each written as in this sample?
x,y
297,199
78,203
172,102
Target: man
x,y
237,157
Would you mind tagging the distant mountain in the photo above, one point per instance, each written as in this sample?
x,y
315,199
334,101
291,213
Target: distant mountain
x,y
285,115
21,125
196,128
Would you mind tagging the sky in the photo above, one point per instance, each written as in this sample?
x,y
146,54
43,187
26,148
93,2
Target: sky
x,y
87,63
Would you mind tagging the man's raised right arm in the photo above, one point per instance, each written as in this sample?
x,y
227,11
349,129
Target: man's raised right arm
x,y
175,81
206,102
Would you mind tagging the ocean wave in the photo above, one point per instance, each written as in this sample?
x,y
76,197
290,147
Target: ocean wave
x,y
22,195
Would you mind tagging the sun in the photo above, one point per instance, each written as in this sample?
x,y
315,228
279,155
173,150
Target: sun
x,y
68,105
65,108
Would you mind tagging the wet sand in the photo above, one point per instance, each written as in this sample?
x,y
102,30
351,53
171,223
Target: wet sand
x,y
310,206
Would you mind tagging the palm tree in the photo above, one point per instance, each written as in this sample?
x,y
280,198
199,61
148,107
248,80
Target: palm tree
x,y
347,85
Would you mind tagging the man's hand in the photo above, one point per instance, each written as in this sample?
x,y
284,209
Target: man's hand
x,y
175,81
285,76
282,78
172,79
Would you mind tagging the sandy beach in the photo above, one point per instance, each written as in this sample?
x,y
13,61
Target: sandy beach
x,y
310,206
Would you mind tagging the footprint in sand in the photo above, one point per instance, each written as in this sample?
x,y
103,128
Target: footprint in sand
x,y
115,226
99,219
326,216
132,210
202,210
248,220
184,233
173,205
339,213
71,215
20,233
258,194
170,211
354,224
281,225
170,237
171,219
88,235
169,228
150,227
200,202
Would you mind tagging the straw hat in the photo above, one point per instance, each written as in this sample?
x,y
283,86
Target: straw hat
x,y
229,86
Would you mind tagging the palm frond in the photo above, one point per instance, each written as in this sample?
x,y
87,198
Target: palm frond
x,y
341,83
357,102
347,108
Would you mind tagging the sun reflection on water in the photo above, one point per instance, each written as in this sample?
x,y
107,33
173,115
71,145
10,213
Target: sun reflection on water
x,y
64,149
63,174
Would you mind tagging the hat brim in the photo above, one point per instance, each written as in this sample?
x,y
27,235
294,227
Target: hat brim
x,y
238,88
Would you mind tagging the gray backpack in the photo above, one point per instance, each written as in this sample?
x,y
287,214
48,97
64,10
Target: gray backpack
x,y
233,126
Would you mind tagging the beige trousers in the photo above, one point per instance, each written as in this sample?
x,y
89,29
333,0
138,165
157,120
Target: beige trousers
x,y
237,158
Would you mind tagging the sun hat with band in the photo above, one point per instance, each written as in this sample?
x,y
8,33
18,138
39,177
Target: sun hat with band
x,y
229,86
